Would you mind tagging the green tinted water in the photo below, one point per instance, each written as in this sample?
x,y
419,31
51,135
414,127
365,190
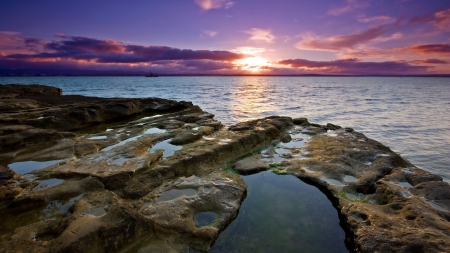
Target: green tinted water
x,y
282,214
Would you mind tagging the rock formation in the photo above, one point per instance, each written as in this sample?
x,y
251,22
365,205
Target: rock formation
x,y
123,175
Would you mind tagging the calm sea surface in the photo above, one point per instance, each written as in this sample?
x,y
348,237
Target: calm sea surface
x,y
411,115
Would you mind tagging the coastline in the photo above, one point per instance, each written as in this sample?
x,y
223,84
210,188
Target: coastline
x,y
130,189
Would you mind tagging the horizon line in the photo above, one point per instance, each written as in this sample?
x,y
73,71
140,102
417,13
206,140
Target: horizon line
x,y
224,75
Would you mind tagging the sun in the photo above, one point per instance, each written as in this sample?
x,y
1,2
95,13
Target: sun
x,y
253,64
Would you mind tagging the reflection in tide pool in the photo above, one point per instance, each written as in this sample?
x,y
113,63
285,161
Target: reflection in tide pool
x,y
169,149
28,166
282,214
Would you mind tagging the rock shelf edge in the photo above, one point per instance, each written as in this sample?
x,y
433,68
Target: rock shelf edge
x,y
109,189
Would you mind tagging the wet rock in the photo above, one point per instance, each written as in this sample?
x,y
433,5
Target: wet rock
x,y
216,125
118,195
383,206
286,138
186,137
174,215
330,126
250,165
29,90
66,190
191,118
9,184
420,176
281,123
169,124
206,130
17,137
99,222
6,173
300,121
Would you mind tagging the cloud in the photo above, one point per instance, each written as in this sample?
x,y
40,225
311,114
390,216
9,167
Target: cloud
x,y
74,53
431,49
350,6
208,33
248,50
406,52
83,44
395,36
154,53
214,4
355,66
207,65
312,42
440,19
9,33
110,51
377,19
429,61
11,44
261,35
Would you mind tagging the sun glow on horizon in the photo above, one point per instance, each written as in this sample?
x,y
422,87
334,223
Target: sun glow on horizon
x,y
253,64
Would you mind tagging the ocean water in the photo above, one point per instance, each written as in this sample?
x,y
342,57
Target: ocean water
x,y
411,115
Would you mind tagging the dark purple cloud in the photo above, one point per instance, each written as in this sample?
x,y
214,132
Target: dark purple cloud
x,y
354,66
156,53
429,61
82,44
110,51
207,65
431,48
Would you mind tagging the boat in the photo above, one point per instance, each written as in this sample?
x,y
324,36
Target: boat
x,y
151,75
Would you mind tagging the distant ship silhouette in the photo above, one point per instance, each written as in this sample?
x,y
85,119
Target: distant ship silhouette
x,y
151,75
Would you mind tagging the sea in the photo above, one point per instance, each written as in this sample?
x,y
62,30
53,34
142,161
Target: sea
x,y
411,115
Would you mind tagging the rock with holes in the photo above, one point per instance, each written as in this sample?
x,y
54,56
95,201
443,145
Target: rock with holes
x,y
97,222
109,188
192,210
386,203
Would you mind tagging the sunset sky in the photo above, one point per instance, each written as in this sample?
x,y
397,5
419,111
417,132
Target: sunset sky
x,y
261,37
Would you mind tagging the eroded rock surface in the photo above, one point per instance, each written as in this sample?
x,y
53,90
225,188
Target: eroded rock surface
x,y
387,204
82,174
92,178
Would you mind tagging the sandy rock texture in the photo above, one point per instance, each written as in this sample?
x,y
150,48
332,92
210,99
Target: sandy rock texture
x,y
123,174
387,204
87,174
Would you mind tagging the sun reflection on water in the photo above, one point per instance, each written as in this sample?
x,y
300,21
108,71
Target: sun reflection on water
x,y
251,98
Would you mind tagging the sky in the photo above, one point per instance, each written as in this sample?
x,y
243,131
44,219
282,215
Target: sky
x,y
226,37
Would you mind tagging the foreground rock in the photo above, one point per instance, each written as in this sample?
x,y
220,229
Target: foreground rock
x,y
106,182
387,204
135,175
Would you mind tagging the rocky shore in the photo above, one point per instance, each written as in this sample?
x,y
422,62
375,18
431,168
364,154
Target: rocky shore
x,y
88,174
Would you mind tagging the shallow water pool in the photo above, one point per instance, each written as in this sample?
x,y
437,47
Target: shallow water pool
x,y
282,214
